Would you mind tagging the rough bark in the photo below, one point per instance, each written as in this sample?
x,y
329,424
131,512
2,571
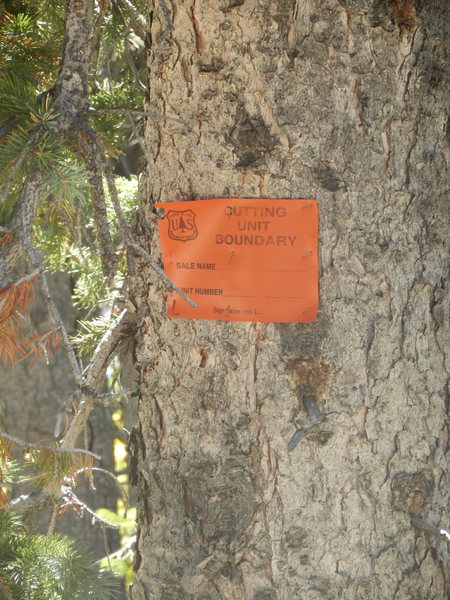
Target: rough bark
x,y
72,85
344,102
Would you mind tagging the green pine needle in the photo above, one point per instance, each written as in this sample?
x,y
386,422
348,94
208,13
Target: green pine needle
x,y
17,97
37,567
90,333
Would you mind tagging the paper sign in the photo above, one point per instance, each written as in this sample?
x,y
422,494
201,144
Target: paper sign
x,y
242,259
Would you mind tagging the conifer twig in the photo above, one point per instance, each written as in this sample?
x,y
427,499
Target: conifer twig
x,y
60,325
109,474
128,56
72,84
170,284
97,34
22,218
107,549
92,162
32,502
104,398
71,104
51,527
17,282
25,444
94,373
70,499
52,308
137,27
128,237
18,163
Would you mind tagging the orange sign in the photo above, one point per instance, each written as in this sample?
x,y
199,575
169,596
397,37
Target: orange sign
x,y
242,259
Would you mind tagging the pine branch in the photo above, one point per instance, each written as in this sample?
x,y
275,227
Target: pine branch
x,y
93,162
104,398
16,166
72,84
30,503
71,106
94,373
7,127
103,8
32,255
42,343
25,444
169,283
137,27
97,148
42,567
128,55
126,231
29,278
69,499
51,527
110,475
61,327
21,221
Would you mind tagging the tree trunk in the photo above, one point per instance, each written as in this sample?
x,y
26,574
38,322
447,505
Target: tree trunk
x,y
343,102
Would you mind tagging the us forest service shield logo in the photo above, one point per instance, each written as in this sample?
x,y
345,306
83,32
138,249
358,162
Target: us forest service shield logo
x,y
182,225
